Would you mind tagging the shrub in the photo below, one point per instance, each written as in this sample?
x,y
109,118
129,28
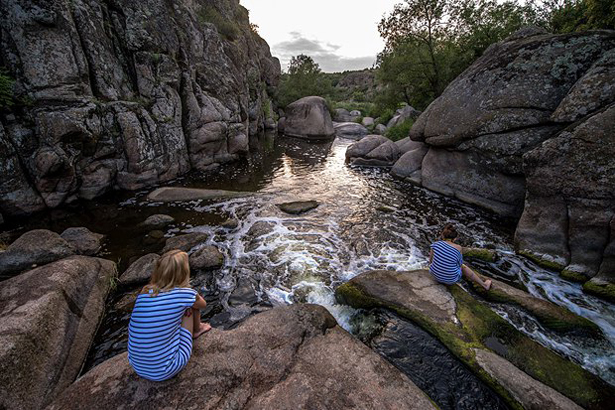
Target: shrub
x,y
399,131
227,28
6,89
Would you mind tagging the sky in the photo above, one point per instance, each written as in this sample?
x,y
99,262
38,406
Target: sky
x,y
338,34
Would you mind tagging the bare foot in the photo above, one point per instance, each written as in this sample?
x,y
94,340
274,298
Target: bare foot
x,y
487,285
203,328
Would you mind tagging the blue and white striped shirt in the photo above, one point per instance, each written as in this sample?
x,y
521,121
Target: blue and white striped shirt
x,y
446,263
158,347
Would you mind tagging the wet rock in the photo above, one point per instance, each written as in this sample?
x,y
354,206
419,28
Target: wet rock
x,y
309,118
243,294
231,223
550,315
157,221
409,163
207,257
350,130
603,284
185,242
298,207
526,390
153,237
48,317
35,247
487,255
260,228
127,302
373,150
310,362
140,271
172,194
84,241
458,320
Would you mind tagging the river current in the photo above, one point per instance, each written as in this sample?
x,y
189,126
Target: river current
x,y
366,220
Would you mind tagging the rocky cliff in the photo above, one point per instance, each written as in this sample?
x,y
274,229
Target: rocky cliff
x,y
528,131
124,95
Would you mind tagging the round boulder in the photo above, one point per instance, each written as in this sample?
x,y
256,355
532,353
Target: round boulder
x,y
83,240
350,130
309,118
157,221
140,270
207,257
35,247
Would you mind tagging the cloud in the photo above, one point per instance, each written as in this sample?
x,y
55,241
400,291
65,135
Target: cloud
x,y
325,54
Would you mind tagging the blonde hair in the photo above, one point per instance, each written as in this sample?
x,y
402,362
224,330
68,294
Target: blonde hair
x,y
172,270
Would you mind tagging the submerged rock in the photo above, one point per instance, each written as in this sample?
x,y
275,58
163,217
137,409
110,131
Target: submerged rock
x,y
290,357
48,317
140,270
185,242
84,241
35,247
464,325
173,194
157,221
298,207
309,118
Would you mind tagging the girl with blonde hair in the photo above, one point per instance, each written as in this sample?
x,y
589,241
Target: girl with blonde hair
x,y
165,320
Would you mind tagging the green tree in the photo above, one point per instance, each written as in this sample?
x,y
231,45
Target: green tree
x,y
566,16
304,78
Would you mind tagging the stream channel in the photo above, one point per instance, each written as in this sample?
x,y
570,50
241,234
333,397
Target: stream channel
x,y
366,220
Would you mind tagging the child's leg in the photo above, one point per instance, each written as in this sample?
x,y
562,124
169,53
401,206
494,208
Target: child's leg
x,y
473,276
188,321
198,327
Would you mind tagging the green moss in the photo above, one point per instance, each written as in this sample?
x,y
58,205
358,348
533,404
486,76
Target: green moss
x,y
477,323
604,291
229,29
487,255
547,264
573,276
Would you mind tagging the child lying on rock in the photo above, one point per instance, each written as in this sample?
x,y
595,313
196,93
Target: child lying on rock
x,y
446,261
165,320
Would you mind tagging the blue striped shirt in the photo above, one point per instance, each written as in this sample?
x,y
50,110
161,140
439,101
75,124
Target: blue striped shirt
x,y
158,347
446,263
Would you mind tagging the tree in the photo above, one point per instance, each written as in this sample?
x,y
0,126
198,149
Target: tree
x,y
304,78
566,16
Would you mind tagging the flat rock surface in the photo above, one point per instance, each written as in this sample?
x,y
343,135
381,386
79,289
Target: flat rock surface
x,y
416,291
48,317
298,207
38,247
172,194
157,221
140,270
294,357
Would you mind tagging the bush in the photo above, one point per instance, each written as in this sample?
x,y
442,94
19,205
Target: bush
x,y
227,28
6,89
399,131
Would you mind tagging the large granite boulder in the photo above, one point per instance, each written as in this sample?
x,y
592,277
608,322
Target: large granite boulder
x,y
309,118
126,95
521,92
570,203
36,247
294,357
350,130
373,150
48,318
523,372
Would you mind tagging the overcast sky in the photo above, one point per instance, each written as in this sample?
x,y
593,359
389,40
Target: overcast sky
x,y
338,34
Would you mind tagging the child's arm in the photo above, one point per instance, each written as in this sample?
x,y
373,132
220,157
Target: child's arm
x,y
200,302
430,256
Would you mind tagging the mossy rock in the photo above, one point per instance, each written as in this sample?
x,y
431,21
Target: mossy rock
x,y
573,276
550,315
487,255
603,290
542,262
474,326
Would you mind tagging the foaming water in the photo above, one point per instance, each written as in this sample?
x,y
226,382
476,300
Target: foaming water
x,y
366,220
